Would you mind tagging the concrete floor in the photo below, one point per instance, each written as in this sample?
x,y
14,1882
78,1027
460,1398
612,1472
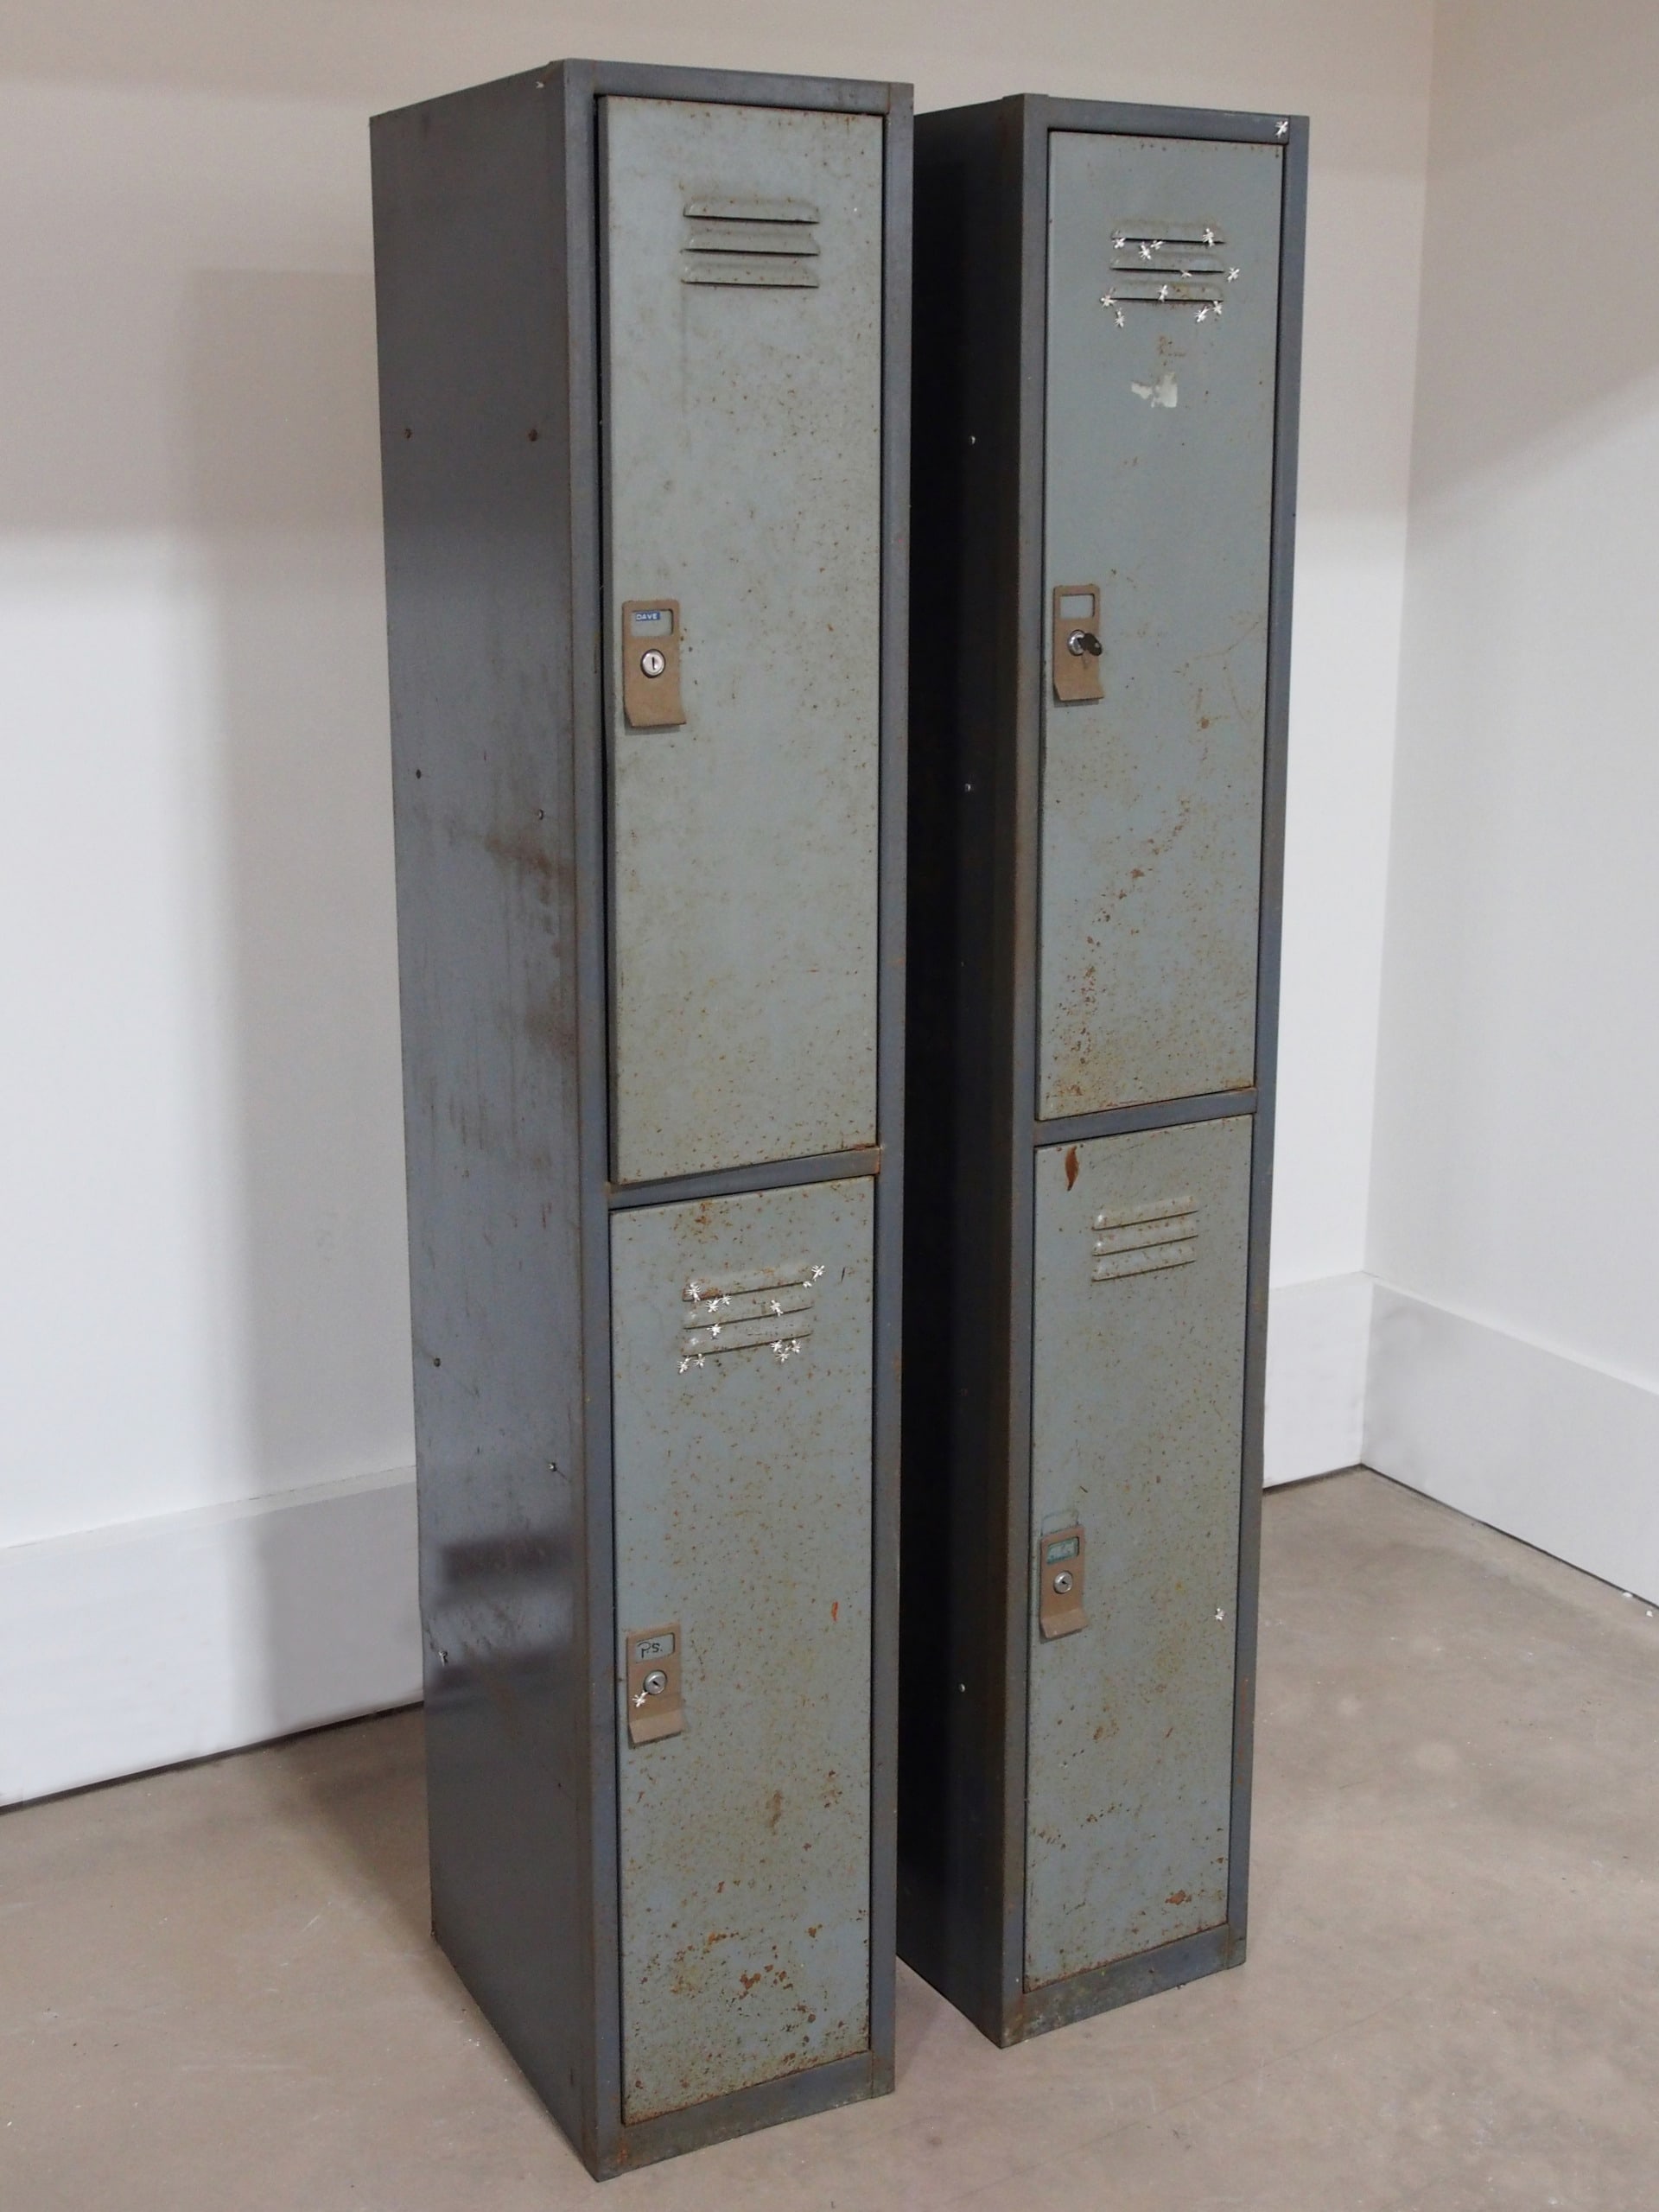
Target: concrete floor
x,y
217,1990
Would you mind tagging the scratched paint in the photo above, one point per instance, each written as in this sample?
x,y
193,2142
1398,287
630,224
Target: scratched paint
x,y
743,458
1137,1390
1159,489
743,1512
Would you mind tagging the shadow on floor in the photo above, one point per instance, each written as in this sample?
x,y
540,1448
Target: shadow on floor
x,y
364,1782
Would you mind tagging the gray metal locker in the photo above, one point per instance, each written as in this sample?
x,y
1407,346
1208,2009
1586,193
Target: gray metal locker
x,y
1107,335
644,389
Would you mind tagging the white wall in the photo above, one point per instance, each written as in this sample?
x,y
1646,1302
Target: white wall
x,y
201,1174
1514,1214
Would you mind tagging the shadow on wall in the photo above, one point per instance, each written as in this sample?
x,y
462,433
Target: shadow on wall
x,y
282,495
1536,313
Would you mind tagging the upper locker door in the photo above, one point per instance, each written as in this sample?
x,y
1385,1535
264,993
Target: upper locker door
x,y
742,386
1162,352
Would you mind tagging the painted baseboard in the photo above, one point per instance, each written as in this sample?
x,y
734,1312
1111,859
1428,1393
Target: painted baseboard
x,y
157,1641
141,1645
1318,1335
1562,1454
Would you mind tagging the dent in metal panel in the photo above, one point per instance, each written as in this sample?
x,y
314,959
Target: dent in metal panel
x,y
743,1512
1158,483
1137,1393
744,429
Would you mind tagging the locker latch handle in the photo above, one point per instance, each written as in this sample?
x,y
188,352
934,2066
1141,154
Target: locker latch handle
x,y
1076,646
1059,1583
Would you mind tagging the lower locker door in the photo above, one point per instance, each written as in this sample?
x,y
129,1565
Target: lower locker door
x,y
742,1380
1137,1405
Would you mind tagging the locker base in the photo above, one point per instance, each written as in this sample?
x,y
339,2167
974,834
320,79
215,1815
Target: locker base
x,y
1103,1989
1080,1996
818,2089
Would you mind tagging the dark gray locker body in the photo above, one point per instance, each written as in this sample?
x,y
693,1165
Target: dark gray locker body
x,y
1107,337
652,980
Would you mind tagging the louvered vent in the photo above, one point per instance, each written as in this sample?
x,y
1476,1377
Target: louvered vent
x,y
1144,1240
765,242
1169,264
750,1309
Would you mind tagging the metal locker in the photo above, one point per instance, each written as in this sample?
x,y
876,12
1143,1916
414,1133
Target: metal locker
x,y
1107,340
644,385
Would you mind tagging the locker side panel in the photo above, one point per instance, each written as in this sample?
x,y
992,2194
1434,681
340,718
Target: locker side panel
x,y
472,342
743,348
1138,1377
956,1841
744,1517
1158,493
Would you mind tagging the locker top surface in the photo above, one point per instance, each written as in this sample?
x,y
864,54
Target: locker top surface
x,y
1050,112
733,87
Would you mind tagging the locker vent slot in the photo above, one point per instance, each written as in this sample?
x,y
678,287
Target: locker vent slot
x,y
1169,264
755,242
1146,1239
753,1309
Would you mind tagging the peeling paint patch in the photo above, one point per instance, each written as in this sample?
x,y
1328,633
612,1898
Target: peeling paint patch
x,y
1164,393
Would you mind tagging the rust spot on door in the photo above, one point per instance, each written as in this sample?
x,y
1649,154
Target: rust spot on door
x,y
1071,1165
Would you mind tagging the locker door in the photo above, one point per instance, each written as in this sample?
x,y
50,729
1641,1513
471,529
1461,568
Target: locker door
x,y
742,364
1158,498
1138,1380
743,1526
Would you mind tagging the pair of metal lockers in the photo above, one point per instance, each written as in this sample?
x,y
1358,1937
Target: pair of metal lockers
x,y
646,379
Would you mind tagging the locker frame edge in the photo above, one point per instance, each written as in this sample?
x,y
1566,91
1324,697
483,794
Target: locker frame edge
x,y
1020,126
606,2143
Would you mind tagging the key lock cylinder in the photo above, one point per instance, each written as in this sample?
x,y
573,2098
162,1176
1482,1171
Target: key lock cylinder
x,y
1076,646
652,1675
651,663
